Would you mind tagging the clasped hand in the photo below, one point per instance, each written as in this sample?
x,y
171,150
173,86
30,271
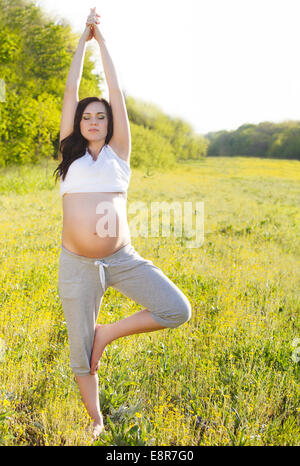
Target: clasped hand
x,y
92,29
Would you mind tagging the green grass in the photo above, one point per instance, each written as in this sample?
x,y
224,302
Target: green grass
x,y
227,377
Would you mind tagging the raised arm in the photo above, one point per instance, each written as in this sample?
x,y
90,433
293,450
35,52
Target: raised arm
x,y
75,72
71,97
121,138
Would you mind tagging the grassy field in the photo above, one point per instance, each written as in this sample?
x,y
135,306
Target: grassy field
x,y
229,376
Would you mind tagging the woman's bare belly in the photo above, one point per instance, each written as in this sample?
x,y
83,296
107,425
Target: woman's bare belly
x,y
95,224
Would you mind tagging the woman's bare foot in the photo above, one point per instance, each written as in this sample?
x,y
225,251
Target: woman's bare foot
x,y
98,428
101,340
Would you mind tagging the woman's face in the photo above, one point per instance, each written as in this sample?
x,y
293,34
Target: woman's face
x,y
94,122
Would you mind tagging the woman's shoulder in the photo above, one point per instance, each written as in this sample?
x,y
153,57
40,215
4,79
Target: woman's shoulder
x,y
116,153
119,152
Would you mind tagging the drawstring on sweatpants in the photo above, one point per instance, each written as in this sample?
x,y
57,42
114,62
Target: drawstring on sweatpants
x,y
101,272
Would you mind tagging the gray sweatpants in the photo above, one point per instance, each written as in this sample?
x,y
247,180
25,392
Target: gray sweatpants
x,y
84,280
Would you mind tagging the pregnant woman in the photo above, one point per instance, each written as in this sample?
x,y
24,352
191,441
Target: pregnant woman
x,y
96,250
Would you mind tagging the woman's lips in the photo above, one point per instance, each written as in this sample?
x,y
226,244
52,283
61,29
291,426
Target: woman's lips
x,y
94,130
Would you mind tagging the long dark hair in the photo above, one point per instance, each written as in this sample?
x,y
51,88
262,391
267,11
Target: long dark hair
x,y
74,146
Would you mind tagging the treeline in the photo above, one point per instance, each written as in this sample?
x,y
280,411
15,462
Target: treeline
x,y
266,139
35,57
159,139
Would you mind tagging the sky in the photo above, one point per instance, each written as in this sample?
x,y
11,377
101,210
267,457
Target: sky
x,y
217,64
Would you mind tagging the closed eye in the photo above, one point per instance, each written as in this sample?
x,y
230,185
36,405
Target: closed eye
x,y
99,118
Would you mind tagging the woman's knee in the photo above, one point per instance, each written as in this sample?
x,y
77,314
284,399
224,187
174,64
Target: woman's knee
x,y
177,313
183,312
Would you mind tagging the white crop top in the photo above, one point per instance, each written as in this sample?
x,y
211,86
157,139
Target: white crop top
x,y
109,173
